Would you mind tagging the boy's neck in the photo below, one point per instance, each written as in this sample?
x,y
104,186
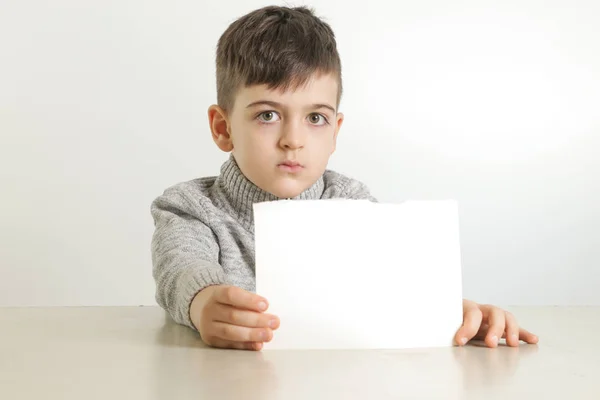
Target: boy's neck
x,y
241,193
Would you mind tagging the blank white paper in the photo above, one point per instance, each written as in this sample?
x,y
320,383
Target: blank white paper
x,y
351,274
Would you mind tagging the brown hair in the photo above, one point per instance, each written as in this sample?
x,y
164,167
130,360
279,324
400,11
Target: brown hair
x,y
281,47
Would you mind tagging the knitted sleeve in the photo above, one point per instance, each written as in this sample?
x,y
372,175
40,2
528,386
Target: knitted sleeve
x,y
185,257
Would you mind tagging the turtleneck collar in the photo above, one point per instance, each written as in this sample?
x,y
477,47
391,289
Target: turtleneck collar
x,y
241,193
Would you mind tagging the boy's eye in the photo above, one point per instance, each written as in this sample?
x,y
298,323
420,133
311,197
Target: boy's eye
x,y
317,119
267,116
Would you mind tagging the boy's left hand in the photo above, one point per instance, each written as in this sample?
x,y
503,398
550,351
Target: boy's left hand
x,y
489,323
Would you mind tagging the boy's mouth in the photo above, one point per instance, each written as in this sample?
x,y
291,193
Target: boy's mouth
x,y
290,166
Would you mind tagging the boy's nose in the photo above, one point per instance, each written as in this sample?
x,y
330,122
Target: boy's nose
x,y
292,137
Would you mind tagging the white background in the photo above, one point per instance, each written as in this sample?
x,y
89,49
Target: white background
x,y
495,104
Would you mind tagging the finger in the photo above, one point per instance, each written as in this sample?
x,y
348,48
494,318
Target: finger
x,y
496,319
528,337
241,333
228,344
256,345
472,318
240,298
241,317
512,330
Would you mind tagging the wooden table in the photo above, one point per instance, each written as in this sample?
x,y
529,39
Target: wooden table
x,y
138,353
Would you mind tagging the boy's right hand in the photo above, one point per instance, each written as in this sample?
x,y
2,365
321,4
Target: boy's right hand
x,y
230,317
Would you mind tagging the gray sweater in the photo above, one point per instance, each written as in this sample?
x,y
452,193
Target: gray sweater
x,y
204,233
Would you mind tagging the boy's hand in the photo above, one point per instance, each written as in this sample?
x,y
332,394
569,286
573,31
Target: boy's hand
x,y
490,323
230,317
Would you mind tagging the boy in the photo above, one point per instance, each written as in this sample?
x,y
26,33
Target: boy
x,y
278,90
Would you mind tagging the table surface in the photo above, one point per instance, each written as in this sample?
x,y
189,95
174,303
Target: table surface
x,y
138,353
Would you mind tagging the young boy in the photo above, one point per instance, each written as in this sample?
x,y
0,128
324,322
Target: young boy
x,y
279,86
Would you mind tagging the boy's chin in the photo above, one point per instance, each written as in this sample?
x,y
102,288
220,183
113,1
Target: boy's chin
x,y
288,191
287,194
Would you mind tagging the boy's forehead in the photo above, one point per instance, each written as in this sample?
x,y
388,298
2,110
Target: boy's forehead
x,y
317,89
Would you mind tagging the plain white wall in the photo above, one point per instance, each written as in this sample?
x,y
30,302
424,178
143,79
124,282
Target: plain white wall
x,y
496,104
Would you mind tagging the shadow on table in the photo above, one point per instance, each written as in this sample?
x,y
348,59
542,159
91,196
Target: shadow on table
x,y
186,367
485,367
172,334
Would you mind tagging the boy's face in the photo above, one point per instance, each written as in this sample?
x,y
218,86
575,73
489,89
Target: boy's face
x,y
281,141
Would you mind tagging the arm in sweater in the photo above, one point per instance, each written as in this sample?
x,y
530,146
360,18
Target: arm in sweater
x,y
184,256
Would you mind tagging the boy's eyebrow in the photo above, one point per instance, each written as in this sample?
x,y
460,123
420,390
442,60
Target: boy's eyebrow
x,y
279,105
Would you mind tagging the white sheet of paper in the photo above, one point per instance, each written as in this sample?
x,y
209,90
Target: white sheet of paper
x,y
351,274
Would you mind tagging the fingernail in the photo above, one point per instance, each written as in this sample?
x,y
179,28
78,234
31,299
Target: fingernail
x,y
262,306
495,340
463,341
514,337
272,323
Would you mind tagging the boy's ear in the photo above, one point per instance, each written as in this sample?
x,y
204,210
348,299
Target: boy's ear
x,y
339,119
219,126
